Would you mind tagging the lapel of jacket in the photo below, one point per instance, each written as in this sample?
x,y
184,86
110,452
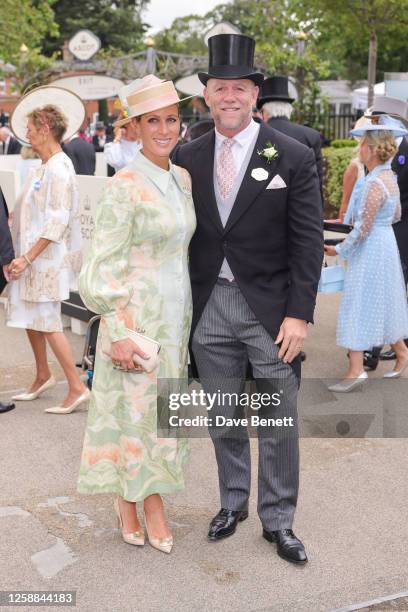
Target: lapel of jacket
x,y
250,188
204,161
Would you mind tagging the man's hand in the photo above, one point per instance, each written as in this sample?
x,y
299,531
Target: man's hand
x,y
292,334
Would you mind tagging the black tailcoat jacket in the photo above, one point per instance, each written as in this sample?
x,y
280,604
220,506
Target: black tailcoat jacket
x,y
304,134
273,239
6,244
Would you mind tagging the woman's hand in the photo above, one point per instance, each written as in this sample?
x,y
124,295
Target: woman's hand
x,y
330,250
17,267
7,273
118,132
122,353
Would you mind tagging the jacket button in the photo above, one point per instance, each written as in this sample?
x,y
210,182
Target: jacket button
x,y
225,244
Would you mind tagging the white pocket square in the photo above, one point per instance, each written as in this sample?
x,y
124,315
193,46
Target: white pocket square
x,y
276,183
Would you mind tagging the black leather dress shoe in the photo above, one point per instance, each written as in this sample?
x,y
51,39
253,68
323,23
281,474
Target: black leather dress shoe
x,y
370,361
388,355
290,547
225,523
6,407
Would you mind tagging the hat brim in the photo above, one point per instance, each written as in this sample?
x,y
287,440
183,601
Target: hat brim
x,y
230,75
397,133
394,115
122,122
70,105
277,98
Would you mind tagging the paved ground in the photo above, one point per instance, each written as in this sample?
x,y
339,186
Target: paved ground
x,y
352,512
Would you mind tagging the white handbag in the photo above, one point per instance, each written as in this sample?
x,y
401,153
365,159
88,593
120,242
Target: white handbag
x,y
149,346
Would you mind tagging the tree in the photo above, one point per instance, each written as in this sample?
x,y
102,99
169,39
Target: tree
x,y
117,23
23,27
365,21
185,35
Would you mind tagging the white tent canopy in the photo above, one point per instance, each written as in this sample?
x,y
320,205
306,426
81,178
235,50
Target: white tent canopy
x,y
360,95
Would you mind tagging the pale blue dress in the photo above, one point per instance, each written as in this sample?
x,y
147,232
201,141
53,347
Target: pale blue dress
x,y
373,309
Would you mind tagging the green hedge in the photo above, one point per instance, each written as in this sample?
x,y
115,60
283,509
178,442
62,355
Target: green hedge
x,y
338,144
335,161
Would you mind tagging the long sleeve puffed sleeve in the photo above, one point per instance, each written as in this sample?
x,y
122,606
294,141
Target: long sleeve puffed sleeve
x,y
374,197
59,201
103,282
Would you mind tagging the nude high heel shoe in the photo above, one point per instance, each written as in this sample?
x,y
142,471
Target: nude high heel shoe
x,y
68,409
163,544
136,538
27,396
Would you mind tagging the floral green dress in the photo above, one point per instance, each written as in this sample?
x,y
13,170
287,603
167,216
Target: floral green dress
x,y
136,275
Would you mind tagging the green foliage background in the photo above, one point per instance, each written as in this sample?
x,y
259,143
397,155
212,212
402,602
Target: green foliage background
x,y
336,160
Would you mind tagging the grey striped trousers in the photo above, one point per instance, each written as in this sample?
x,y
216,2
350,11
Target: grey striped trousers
x,y
227,336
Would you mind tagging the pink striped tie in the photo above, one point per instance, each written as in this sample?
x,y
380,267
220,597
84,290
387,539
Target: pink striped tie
x,y
226,171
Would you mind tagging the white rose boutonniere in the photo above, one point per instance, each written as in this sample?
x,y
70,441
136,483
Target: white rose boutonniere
x,y
269,152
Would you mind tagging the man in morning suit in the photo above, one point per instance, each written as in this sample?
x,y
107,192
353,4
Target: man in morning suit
x,y
8,144
82,155
255,262
275,104
6,256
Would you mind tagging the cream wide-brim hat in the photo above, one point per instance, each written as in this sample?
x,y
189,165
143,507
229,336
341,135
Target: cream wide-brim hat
x,y
145,96
68,103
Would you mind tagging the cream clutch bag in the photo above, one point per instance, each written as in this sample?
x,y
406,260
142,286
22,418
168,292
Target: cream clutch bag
x,y
149,346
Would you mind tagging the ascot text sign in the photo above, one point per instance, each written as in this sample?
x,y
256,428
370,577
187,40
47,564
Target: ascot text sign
x,y
84,44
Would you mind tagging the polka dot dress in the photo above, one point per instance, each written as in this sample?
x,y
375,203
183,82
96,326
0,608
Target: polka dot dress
x,y
373,310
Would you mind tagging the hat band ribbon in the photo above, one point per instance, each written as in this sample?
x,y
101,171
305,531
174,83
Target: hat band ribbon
x,y
151,92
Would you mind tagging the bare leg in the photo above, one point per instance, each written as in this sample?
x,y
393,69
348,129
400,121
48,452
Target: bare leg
x,y
155,517
129,516
39,346
401,352
356,364
62,351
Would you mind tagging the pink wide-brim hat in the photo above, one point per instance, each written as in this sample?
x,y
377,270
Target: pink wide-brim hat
x,y
145,96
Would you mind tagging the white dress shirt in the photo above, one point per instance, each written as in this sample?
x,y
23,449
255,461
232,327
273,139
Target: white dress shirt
x,y
243,141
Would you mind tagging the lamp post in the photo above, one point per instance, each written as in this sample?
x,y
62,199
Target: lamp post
x,y
22,65
150,56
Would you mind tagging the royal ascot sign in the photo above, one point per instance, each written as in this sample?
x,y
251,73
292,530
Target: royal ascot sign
x,y
84,44
91,86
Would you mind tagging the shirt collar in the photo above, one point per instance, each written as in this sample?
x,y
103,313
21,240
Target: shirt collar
x,y
243,138
161,178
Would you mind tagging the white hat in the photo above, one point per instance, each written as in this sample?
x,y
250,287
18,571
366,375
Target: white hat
x,y
68,103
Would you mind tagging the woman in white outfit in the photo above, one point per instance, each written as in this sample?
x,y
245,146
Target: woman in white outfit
x,y
46,233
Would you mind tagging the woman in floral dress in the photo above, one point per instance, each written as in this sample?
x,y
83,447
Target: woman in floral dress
x,y
136,276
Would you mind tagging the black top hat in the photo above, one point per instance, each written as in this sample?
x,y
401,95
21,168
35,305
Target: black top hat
x,y
274,88
231,57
